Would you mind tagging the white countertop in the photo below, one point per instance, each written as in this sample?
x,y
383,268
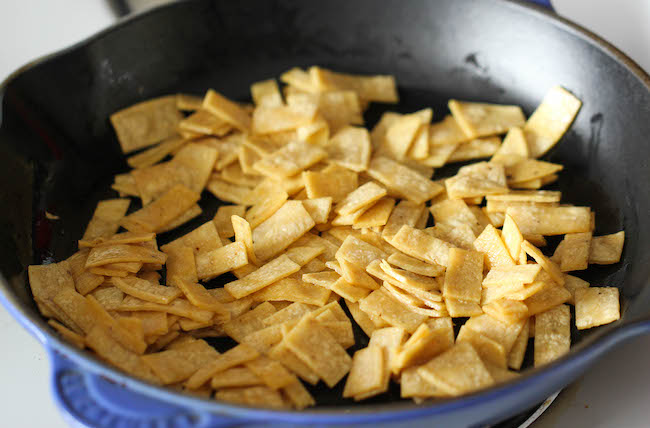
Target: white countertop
x,y
615,392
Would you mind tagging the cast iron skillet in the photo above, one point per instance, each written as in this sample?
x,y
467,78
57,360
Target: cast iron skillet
x,y
58,154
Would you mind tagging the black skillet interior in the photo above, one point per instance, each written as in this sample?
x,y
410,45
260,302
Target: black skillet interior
x,y
58,153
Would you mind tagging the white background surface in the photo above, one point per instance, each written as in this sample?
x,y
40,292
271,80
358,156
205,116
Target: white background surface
x,y
616,392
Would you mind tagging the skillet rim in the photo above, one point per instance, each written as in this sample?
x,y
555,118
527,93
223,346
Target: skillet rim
x,y
583,354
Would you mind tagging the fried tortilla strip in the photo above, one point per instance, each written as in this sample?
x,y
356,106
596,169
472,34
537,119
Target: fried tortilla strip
x,y
290,160
464,275
359,252
423,345
350,148
363,196
524,274
496,254
240,354
367,374
203,122
573,252
293,290
550,267
254,396
268,120
244,234
379,88
457,371
120,253
475,149
607,249
335,181
145,290
282,229
162,211
213,263
404,213
596,306
266,93
490,351
106,218
421,245
480,120
550,120
222,219
513,149
414,265
146,123
267,274
316,347
403,180
382,304
226,110
552,334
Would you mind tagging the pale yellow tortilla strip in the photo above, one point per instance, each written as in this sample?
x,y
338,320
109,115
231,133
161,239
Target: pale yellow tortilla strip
x,y
403,180
226,110
480,119
596,306
282,229
552,334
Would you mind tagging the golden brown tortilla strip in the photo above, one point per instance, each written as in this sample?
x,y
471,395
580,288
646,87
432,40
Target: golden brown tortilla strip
x,y
106,218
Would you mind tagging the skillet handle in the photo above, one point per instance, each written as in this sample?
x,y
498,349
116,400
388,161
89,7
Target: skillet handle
x,y
89,401
545,3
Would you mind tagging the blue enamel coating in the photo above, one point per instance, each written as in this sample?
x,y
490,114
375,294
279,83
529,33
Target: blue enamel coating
x,y
87,399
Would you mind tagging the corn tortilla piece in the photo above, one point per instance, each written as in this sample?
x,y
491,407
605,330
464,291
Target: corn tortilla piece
x,y
244,234
606,249
464,275
199,297
226,110
146,123
162,211
222,219
404,213
512,239
316,132
234,174
271,372
120,253
572,284
213,263
414,265
419,244
178,306
446,132
118,238
359,252
316,347
322,279
280,230
438,155
412,385
226,191
361,318
403,180
349,291
513,149
258,213
596,306
376,215
531,169
551,220
267,274
548,297
524,274
299,396
461,308
423,345
401,134
69,335
550,267
235,377
552,334
282,353
457,371
303,255
573,252
240,354
266,93
105,220
454,212
319,209
335,181
550,120
381,303
188,102
163,341
469,186
254,396
506,310
350,148
109,297
378,88
290,160
84,281
480,119
518,351
124,184
336,108
145,290
475,149
249,322
390,339
176,365
153,323
490,351
496,254
193,212
366,374
110,350
527,196
356,275
274,119
363,196
293,290
293,312
202,122
505,334
420,147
